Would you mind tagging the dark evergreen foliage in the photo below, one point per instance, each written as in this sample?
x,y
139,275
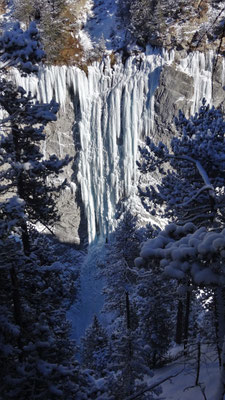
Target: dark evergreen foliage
x,y
127,363
21,49
156,300
20,149
126,356
193,188
148,20
117,267
95,348
37,356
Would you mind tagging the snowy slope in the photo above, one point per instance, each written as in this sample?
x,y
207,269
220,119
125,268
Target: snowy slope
x,y
182,387
104,24
198,21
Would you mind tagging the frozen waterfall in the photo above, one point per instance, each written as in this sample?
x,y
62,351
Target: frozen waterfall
x,y
114,110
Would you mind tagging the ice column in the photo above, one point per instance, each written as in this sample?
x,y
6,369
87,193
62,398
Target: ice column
x,y
116,106
200,67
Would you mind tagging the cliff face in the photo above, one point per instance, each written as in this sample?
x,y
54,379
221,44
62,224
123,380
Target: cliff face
x,y
105,115
109,109
184,84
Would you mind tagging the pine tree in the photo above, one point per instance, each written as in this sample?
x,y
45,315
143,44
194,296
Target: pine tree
x,y
127,363
27,172
21,49
36,351
194,256
26,10
29,10
149,20
52,27
118,268
94,348
24,170
56,20
155,304
37,356
193,189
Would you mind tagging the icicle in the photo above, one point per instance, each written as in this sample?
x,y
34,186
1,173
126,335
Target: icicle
x,y
200,67
223,73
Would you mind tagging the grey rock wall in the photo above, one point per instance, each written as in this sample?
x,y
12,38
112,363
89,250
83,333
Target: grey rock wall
x,y
61,140
176,90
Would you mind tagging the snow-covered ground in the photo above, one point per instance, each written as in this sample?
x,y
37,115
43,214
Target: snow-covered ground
x,y
182,386
90,298
104,24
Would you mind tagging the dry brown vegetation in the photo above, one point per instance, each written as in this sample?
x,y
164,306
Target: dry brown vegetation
x,y
71,51
2,6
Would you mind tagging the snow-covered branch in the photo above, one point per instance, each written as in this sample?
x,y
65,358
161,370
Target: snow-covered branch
x,y
153,386
198,165
191,168
203,188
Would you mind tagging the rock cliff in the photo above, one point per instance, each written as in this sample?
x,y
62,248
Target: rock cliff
x,y
105,114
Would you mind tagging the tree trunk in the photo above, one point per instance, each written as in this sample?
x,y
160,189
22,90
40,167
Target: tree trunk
x,y
25,238
221,389
128,310
220,314
217,330
128,374
186,319
16,297
20,190
17,308
179,325
198,363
